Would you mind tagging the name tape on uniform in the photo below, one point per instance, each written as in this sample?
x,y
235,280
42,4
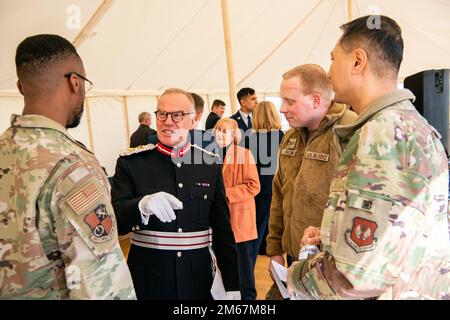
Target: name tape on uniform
x,y
317,156
288,152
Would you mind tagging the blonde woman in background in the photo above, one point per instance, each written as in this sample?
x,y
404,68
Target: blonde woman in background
x,y
240,178
265,142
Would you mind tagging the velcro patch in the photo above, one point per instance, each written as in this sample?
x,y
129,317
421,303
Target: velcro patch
x,y
288,152
317,156
78,174
361,237
84,198
291,143
101,224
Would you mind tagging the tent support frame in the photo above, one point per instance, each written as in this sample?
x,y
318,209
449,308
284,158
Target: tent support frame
x,y
229,55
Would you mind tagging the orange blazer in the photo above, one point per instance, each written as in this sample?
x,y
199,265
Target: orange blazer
x,y
241,181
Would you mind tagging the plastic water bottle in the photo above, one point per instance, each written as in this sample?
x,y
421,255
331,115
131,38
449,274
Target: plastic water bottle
x,y
307,250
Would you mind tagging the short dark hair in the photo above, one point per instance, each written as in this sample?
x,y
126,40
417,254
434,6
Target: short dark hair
x,y
36,54
382,41
199,103
217,103
244,92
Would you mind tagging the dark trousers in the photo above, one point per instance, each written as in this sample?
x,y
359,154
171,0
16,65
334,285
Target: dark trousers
x,y
162,275
262,202
246,274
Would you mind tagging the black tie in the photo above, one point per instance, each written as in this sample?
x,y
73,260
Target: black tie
x,y
249,122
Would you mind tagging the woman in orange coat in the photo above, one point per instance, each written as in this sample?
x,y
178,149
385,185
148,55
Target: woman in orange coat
x,y
241,181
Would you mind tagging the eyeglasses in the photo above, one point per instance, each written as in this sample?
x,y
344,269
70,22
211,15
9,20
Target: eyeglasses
x,y
86,88
176,116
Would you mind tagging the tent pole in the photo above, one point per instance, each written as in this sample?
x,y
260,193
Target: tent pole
x,y
229,54
89,125
207,101
350,10
126,119
92,23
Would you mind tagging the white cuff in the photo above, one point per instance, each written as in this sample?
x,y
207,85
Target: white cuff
x,y
144,217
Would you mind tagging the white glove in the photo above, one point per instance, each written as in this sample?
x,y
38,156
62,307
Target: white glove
x,y
161,204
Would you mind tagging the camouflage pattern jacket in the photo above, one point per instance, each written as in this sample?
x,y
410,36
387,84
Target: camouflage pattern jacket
x,y
385,228
300,187
58,234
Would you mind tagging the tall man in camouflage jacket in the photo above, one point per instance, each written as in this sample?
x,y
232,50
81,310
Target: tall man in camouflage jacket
x,y
385,228
58,234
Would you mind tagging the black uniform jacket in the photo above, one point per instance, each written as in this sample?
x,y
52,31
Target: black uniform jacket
x,y
163,274
211,120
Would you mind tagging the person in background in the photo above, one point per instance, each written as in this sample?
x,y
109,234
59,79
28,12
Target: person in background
x,y
384,232
241,182
201,137
141,135
217,111
58,236
248,100
267,128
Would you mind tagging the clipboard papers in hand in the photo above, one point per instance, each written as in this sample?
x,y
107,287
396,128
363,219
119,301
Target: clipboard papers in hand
x,y
279,273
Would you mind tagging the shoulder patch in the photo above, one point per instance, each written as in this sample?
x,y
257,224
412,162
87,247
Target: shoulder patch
x,y
212,154
100,223
138,149
84,198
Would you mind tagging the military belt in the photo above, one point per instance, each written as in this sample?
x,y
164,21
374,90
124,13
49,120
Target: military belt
x,y
172,240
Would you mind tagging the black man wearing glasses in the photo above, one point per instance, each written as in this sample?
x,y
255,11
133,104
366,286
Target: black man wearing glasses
x,y
58,234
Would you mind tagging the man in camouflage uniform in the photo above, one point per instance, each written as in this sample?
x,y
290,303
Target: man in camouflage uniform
x,y
58,234
385,229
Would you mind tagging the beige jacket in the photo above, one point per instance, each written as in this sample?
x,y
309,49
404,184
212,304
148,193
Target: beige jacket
x,y
307,161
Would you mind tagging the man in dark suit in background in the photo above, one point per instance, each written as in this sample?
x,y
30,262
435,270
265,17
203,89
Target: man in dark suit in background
x,y
200,137
248,100
141,135
217,111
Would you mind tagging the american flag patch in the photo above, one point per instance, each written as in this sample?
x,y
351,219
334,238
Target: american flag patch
x,y
84,198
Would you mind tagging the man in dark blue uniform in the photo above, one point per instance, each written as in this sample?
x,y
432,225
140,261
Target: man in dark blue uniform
x,y
248,100
172,197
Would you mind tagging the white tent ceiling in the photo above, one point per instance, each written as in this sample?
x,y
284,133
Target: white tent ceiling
x,y
134,49
149,45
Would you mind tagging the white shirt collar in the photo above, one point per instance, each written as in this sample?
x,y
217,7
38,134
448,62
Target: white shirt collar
x,y
244,115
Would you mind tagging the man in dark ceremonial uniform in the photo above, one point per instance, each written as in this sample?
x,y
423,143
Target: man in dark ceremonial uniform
x,y
171,195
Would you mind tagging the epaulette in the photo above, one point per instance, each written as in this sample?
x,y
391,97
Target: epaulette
x,y
138,149
212,154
